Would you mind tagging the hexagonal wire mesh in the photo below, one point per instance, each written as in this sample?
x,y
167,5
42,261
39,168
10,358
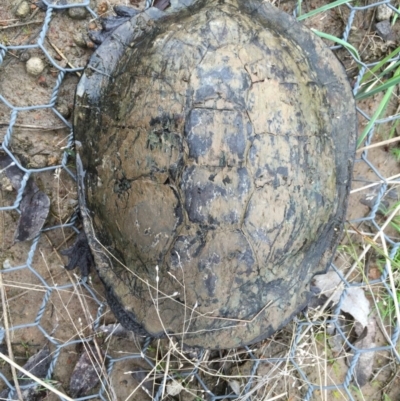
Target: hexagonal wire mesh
x,y
21,277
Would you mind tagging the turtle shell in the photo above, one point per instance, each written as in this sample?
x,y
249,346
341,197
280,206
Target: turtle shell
x,y
218,142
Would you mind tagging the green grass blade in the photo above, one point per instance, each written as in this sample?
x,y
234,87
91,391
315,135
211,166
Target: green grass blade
x,y
332,38
372,71
322,9
378,112
387,85
376,80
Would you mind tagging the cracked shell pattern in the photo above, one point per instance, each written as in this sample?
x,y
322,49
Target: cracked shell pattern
x,y
217,158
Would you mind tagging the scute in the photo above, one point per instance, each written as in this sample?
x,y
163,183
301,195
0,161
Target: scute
x,y
218,157
217,138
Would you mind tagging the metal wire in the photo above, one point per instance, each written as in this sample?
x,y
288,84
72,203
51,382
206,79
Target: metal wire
x,y
302,326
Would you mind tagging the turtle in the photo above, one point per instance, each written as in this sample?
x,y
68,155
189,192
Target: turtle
x,y
217,140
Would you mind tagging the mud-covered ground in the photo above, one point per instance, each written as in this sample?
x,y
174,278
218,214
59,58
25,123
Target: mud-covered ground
x,y
38,139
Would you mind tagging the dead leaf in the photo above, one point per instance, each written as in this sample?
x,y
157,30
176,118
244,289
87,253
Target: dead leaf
x,y
38,365
34,206
235,386
79,255
326,285
354,301
11,170
335,340
365,363
356,304
174,388
86,373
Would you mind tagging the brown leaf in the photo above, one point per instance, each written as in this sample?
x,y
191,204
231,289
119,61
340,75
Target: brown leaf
x,y
38,365
86,373
354,302
34,206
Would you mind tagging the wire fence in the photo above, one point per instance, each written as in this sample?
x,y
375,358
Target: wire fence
x,y
372,225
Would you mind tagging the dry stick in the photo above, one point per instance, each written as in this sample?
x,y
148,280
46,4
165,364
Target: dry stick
x,y
100,360
2,28
61,54
378,144
393,177
364,234
55,249
166,372
368,247
84,308
277,397
7,332
82,303
33,377
27,126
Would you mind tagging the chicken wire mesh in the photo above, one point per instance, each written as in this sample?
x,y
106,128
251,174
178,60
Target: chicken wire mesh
x,y
49,292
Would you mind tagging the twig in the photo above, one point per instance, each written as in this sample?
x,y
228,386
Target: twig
x,y
278,396
378,144
34,126
2,28
99,358
33,377
61,54
393,177
8,341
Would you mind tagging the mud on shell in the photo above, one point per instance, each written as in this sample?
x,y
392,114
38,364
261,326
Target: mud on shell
x,y
218,141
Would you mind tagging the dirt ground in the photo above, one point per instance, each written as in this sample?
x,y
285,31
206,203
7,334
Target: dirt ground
x,y
47,305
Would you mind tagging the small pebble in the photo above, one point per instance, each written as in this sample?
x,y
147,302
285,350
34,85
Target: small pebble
x,y
384,30
5,183
80,40
34,66
383,12
42,82
64,110
77,12
52,160
102,8
25,56
38,161
22,10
